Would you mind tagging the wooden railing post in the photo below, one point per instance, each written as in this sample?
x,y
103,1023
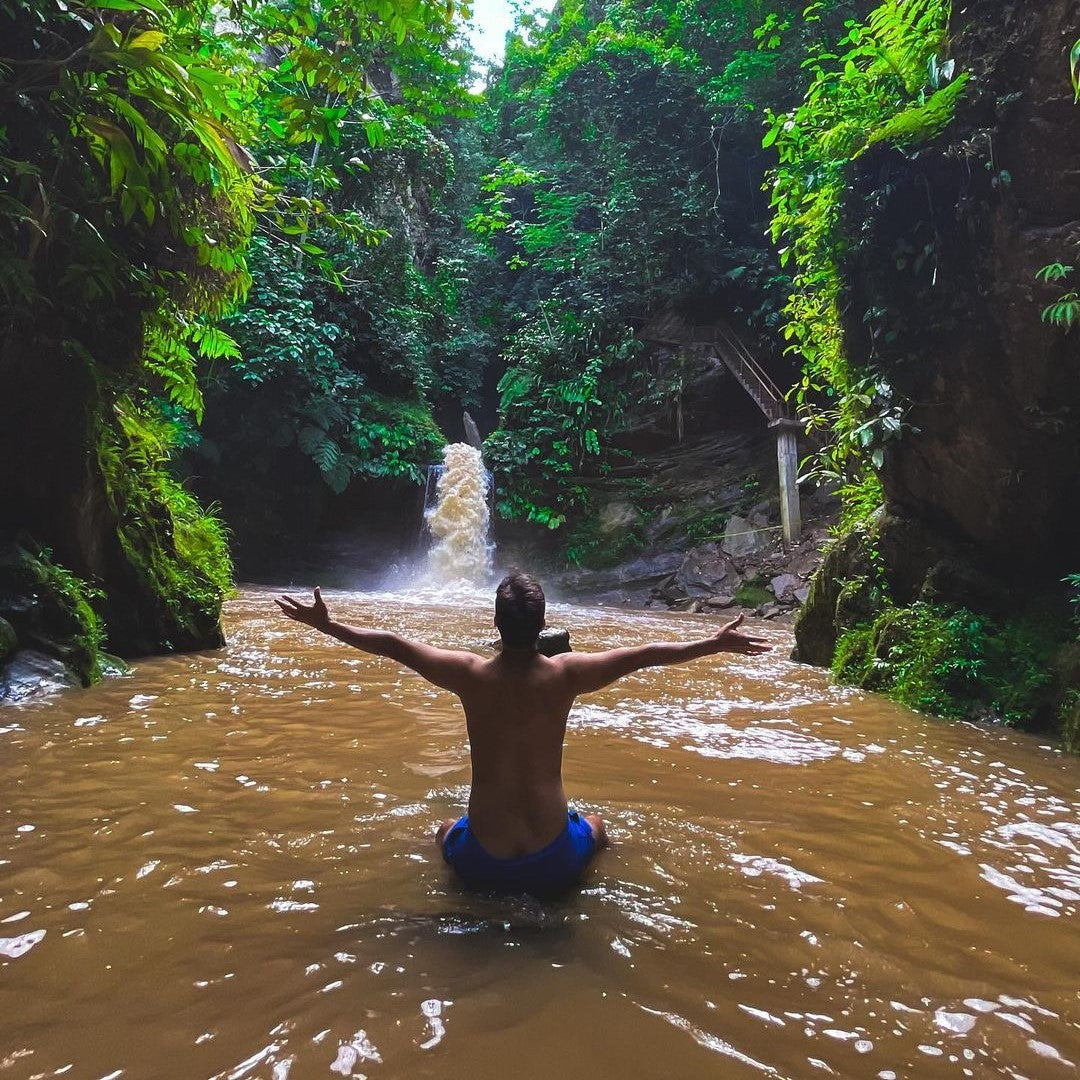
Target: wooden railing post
x,y
787,457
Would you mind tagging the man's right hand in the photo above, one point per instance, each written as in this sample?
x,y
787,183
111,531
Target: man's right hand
x,y
316,615
728,639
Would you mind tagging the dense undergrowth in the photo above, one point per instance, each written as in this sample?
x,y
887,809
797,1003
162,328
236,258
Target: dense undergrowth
x,y
43,606
954,662
177,551
142,147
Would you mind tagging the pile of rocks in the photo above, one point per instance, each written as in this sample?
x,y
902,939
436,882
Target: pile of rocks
x,y
748,568
764,578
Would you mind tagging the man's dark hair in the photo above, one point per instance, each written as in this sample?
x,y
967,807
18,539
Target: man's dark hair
x,y
519,610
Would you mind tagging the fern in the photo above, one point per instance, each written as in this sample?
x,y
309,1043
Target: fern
x,y
214,344
319,447
921,122
905,34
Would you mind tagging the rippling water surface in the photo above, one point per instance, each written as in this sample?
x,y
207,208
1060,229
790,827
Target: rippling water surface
x,y
221,867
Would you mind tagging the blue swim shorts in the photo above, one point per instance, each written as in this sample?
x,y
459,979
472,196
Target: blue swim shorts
x,y
547,872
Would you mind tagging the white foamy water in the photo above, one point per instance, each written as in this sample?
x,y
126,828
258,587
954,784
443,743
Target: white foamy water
x,y
458,523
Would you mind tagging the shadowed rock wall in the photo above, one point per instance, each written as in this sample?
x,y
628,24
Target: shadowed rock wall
x,y
950,243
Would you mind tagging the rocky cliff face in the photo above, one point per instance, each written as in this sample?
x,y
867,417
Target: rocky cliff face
x,y
944,301
982,494
944,298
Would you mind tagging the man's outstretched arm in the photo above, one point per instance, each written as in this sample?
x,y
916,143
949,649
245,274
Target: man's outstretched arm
x,y
594,671
439,666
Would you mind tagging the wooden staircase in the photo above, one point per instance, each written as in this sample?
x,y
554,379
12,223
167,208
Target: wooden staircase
x,y
725,346
751,376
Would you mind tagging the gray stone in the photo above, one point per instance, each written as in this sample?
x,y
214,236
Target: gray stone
x,y
649,567
783,584
703,570
741,538
720,601
618,515
31,673
631,583
553,641
686,603
664,524
802,594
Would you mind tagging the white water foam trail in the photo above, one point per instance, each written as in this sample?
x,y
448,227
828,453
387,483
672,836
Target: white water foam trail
x,y
461,550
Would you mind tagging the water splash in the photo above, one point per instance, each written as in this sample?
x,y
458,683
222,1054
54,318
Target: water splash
x,y
459,521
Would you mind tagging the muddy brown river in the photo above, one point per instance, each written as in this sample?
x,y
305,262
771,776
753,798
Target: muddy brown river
x,y
220,866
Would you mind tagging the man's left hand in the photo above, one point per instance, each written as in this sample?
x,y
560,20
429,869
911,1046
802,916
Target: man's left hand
x,y
315,615
730,640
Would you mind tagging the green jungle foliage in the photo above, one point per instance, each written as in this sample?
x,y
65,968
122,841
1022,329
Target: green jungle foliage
x,y
953,662
44,606
1065,311
624,146
889,81
130,194
178,551
355,322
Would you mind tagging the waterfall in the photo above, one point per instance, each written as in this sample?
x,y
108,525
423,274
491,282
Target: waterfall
x,y
458,522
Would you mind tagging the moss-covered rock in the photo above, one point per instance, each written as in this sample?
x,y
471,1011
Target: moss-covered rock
x,y
171,568
845,592
1070,722
956,663
50,610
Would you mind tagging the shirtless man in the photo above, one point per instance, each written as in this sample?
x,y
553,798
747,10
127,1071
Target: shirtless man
x,y
519,835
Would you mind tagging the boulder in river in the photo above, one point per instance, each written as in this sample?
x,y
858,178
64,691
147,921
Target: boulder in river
x,y
31,673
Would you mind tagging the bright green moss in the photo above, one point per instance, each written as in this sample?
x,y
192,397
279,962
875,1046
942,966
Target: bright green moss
x,y
952,662
177,550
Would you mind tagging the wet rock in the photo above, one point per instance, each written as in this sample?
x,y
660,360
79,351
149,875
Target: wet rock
x,y
719,602
31,673
784,585
614,598
48,611
686,603
553,641
741,538
802,593
841,595
649,568
703,570
641,575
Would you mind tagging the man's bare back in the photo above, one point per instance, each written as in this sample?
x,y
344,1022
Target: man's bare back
x,y
516,706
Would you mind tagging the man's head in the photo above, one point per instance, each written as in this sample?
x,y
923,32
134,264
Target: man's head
x,y
519,611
